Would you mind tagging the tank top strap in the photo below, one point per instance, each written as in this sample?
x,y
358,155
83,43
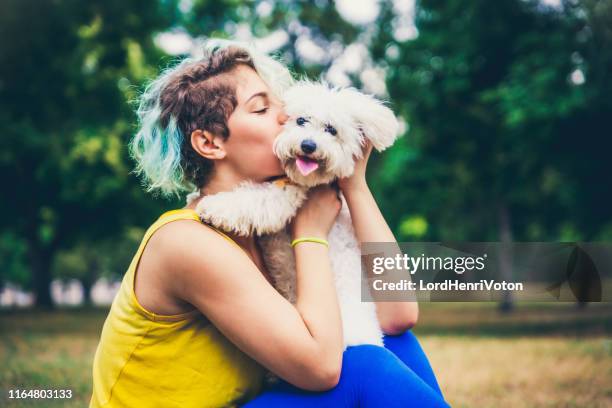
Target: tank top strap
x,y
184,214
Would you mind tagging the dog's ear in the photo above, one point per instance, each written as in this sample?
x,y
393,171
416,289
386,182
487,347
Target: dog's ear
x,y
376,122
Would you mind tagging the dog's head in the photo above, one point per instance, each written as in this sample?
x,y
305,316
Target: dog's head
x,y
327,129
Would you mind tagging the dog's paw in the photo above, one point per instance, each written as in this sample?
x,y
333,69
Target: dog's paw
x,y
252,208
215,210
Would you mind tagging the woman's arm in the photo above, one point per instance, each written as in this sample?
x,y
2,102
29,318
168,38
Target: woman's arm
x,y
303,343
370,226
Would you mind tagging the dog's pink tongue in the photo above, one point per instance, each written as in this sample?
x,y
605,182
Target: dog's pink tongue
x,y
306,166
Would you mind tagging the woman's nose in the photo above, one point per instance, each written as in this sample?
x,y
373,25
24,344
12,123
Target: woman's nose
x,y
282,117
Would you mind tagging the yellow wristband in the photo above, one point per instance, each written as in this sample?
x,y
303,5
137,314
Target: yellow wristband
x,y
310,239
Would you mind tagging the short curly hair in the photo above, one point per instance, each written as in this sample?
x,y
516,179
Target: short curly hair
x,y
194,94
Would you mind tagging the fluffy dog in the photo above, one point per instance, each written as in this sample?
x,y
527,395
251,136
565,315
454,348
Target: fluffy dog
x,y
320,143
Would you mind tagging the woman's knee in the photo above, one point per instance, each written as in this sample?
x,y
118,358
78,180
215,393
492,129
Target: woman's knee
x,y
377,374
369,358
365,350
408,349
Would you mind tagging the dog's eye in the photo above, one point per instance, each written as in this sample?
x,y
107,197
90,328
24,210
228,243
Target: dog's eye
x,y
330,129
301,121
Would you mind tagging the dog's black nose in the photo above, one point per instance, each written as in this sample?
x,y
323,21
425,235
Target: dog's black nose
x,y
308,146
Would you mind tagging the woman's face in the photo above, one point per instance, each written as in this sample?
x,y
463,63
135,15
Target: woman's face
x,y
253,126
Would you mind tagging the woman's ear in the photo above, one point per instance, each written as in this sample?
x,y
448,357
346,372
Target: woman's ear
x,y
207,145
376,122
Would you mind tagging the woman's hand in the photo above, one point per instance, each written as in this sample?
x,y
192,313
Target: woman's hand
x,y
317,215
358,179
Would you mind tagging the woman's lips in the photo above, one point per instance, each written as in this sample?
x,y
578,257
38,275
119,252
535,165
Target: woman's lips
x,y
306,165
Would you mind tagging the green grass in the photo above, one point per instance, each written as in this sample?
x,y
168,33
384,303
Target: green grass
x,y
541,355
42,350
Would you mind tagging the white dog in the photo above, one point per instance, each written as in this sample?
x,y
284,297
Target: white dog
x,y
325,134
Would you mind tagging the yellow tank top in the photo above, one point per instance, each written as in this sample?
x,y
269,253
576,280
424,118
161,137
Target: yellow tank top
x,y
148,360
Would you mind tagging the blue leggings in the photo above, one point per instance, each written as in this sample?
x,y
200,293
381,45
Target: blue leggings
x,y
397,375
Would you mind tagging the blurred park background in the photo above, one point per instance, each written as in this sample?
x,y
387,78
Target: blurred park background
x,y
504,107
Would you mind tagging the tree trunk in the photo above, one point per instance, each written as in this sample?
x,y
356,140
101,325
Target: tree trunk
x,y
505,255
40,265
87,284
88,280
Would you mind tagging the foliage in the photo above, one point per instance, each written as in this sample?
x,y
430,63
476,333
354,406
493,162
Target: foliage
x,y
65,121
500,119
506,106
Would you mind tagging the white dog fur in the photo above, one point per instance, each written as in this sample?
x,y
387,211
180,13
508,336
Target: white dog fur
x,y
266,209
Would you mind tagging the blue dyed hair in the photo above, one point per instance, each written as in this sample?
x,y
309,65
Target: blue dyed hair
x,y
182,100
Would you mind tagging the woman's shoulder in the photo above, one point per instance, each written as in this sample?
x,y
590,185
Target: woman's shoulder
x,y
178,239
184,253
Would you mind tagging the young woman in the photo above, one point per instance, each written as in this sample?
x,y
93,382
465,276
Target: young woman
x,y
196,319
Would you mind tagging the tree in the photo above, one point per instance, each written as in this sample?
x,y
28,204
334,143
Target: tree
x,y
318,22
67,69
500,146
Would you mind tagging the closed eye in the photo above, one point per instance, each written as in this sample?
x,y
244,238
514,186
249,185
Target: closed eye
x,y
261,111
